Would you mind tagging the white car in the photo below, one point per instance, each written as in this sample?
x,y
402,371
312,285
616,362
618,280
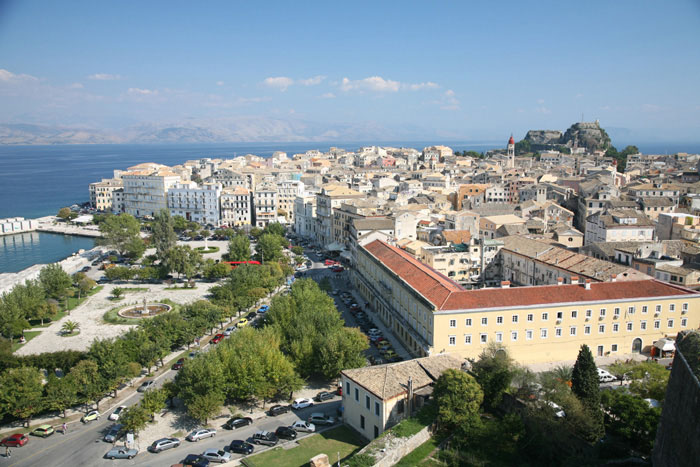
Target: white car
x,y
604,376
229,330
115,415
201,433
558,411
301,425
302,403
217,455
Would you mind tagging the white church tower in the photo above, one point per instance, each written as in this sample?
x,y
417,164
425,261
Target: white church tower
x,y
511,152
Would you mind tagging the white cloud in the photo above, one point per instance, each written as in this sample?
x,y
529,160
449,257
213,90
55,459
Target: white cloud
x,y
104,77
142,92
313,81
253,100
219,83
76,86
543,110
328,95
373,83
9,77
419,86
449,101
540,101
278,82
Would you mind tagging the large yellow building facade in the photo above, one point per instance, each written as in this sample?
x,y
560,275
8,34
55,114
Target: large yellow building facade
x,y
431,314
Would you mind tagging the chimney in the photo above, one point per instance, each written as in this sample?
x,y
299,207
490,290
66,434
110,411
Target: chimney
x,y
588,284
505,284
560,280
613,278
574,279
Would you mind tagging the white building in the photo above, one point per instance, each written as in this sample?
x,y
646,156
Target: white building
x,y
236,207
101,193
304,215
622,225
196,203
145,189
265,205
287,192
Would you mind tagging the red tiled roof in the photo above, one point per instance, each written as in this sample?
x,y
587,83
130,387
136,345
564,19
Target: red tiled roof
x,y
551,294
446,294
425,280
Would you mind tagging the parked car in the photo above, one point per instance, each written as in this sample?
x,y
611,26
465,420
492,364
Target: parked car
x,y
43,430
286,432
263,309
251,316
238,423
241,447
229,330
195,460
302,403
113,433
217,338
121,453
201,433
217,455
318,418
14,441
605,376
85,269
301,425
164,444
146,385
323,396
114,416
90,416
265,437
178,364
242,323
278,410
193,354
338,269
390,355
558,411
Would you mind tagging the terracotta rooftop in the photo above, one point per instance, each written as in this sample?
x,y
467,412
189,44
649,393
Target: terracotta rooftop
x,y
391,380
446,295
434,286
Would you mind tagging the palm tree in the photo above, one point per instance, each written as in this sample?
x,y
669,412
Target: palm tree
x,y
69,327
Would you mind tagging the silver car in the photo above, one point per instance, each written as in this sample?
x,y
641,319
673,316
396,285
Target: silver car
x,y
201,433
163,444
217,455
113,433
121,453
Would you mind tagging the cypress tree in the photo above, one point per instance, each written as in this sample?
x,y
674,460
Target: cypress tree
x,y
584,379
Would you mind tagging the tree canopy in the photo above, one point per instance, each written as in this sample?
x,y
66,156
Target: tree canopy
x,y
163,236
123,233
458,397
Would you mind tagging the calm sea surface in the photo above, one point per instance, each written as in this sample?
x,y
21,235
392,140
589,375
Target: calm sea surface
x,y
37,181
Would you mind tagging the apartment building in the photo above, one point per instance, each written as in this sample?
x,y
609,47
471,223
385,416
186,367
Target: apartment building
x,y
265,205
146,187
196,203
327,200
101,193
228,178
431,314
236,206
305,215
618,225
287,192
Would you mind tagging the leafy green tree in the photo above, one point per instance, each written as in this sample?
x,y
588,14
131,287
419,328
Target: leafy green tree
x,y
85,377
213,271
60,394
269,248
342,349
201,387
111,360
163,237
239,248
458,397
255,232
135,248
21,393
494,371
225,233
275,228
183,260
154,401
64,213
149,273
120,273
584,378
134,418
85,285
649,380
631,418
122,232
117,292
297,250
179,223
54,280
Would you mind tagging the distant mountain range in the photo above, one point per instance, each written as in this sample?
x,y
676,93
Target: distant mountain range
x,y
231,130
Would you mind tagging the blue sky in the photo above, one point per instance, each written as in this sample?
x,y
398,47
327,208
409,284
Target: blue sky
x,y
456,70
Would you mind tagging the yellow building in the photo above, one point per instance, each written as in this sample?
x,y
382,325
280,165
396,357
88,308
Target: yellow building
x,y
431,314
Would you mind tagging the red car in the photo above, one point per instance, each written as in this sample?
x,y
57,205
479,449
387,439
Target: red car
x,y
338,269
330,262
16,440
217,338
178,364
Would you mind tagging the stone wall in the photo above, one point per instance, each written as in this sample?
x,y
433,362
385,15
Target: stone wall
x,y
388,449
678,434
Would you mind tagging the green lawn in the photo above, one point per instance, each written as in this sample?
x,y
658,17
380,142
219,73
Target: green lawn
x,y
72,302
418,455
337,440
28,335
112,317
74,333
